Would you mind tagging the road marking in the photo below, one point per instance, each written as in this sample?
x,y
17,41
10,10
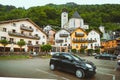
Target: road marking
x,y
64,78
10,78
105,69
46,72
108,74
105,66
51,74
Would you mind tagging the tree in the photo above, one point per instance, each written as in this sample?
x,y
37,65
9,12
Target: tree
x,y
21,43
73,50
46,48
82,50
4,42
90,51
97,50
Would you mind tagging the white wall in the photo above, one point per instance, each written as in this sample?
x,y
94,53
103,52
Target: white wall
x,y
64,19
57,36
10,27
93,35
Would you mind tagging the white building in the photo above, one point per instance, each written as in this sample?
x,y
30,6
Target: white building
x,y
47,28
62,38
74,22
102,29
21,29
94,38
64,18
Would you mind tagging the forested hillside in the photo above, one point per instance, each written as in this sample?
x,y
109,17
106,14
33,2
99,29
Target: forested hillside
x,y
107,15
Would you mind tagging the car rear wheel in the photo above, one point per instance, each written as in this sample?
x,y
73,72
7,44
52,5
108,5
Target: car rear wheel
x,y
52,66
80,73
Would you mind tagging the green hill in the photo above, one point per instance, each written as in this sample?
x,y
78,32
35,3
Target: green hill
x,y
107,15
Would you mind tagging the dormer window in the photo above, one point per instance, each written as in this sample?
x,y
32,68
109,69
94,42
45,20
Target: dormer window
x,y
14,24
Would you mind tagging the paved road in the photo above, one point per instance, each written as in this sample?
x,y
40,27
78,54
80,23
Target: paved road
x,y
39,69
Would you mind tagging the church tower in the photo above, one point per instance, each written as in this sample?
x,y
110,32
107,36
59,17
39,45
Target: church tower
x,y
64,17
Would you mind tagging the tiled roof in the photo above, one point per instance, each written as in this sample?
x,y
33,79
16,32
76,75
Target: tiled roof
x,y
76,15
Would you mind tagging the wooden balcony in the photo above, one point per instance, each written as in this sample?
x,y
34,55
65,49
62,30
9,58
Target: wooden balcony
x,y
84,47
97,47
11,42
16,34
91,41
22,27
59,41
79,40
63,35
79,34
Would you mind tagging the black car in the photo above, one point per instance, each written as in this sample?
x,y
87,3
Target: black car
x,y
106,56
72,63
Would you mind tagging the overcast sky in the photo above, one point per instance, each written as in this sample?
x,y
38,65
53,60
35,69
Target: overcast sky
x,y
31,3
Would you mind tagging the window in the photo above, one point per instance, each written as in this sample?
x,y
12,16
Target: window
x,y
43,43
29,42
61,44
30,27
66,57
11,40
37,42
4,29
30,34
3,38
14,24
22,32
76,46
14,31
36,35
65,39
43,37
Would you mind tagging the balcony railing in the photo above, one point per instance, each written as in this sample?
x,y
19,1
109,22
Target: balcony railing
x,y
22,27
79,40
91,41
102,46
84,47
79,34
23,35
59,41
11,42
63,35
97,47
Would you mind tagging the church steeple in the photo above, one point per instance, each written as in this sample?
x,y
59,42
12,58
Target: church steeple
x,y
64,17
64,10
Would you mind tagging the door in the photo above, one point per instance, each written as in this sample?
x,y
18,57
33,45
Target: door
x,y
67,63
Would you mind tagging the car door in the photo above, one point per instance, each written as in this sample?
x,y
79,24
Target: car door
x,y
67,63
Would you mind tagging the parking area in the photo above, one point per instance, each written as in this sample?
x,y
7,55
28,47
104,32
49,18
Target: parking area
x,y
38,68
